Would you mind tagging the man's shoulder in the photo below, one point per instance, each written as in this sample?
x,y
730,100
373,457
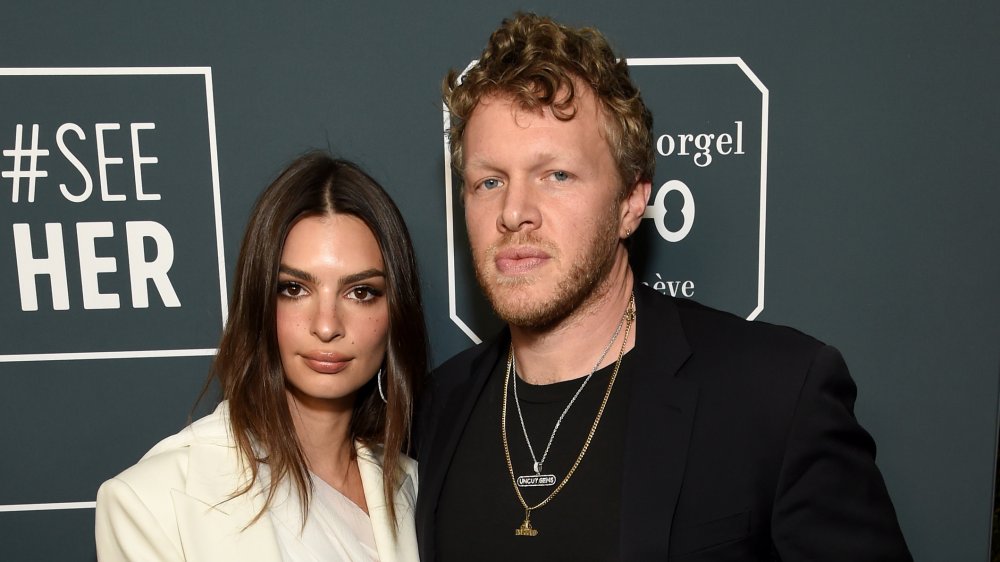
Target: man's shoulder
x,y
745,364
707,327
720,341
461,359
461,365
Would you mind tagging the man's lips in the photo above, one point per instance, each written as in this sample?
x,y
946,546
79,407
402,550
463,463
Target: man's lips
x,y
519,259
326,363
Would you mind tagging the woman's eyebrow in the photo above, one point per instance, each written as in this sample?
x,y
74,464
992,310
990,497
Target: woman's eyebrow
x,y
361,276
287,270
345,280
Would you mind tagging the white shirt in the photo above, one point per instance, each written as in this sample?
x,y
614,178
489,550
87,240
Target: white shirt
x,y
336,528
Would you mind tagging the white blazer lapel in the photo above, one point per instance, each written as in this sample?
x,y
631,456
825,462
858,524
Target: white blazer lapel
x,y
401,545
212,525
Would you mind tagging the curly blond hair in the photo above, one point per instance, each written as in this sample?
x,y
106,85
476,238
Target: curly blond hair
x,y
539,63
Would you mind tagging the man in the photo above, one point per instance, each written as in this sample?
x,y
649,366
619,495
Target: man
x,y
609,422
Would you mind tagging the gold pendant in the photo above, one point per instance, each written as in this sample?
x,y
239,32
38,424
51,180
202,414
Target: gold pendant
x,y
525,530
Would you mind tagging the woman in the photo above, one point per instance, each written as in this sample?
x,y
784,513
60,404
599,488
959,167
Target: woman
x,y
318,365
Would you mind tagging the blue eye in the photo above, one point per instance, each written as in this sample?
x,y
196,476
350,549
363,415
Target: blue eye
x,y
490,183
560,175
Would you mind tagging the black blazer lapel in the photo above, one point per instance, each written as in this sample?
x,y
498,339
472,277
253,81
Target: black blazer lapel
x,y
661,415
452,405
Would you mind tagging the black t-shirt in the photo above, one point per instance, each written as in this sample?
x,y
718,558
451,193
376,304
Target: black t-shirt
x,y
478,510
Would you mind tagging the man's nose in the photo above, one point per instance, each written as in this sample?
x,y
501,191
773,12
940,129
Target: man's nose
x,y
519,209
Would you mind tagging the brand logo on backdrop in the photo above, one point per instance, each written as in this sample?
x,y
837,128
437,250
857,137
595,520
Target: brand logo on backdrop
x,y
110,240
703,232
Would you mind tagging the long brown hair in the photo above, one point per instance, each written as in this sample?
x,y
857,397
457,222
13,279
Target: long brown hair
x,y
248,365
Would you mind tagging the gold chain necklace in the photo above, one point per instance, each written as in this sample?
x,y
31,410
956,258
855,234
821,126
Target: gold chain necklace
x,y
526,530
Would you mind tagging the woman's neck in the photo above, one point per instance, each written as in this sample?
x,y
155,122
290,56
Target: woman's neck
x,y
323,429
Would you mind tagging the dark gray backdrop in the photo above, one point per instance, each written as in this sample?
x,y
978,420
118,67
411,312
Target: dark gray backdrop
x,y
881,235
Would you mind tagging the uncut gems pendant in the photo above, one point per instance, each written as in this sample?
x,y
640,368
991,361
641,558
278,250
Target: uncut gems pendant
x,y
526,530
536,479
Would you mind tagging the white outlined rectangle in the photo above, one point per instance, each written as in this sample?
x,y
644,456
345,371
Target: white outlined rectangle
x,y
764,118
13,508
205,72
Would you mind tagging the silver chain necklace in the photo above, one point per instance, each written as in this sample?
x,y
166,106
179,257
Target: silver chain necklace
x,y
539,479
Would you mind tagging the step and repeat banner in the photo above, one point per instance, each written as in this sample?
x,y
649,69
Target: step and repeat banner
x,y
829,167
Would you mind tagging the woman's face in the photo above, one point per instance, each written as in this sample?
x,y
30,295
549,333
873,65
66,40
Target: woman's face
x,y
332,313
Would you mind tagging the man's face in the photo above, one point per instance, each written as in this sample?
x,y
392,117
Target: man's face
x,y
542,207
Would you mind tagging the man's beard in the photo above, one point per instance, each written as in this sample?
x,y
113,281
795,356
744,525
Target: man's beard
x,y
571,291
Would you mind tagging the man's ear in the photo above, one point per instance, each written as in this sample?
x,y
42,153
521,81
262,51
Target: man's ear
x,y
633,207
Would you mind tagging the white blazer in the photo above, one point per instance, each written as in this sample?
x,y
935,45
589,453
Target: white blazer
x,y
173,505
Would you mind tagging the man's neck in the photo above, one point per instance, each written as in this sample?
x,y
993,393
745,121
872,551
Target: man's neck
x,y
570,349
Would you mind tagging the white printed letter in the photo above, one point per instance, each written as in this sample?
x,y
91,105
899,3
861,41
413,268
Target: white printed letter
x,y
138,160
103,160
28,266
88,181
141,270
91,265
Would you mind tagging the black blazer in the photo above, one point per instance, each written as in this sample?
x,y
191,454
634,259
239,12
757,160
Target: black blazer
x,y
741,443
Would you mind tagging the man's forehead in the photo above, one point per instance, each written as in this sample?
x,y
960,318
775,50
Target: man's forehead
x,y
528,103
519,109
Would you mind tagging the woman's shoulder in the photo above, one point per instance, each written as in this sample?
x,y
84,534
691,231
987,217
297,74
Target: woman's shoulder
x,y
167,462
139,511
408,465
376,453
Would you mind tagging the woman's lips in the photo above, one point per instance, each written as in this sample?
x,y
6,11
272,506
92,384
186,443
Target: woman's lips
x,y
326,363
